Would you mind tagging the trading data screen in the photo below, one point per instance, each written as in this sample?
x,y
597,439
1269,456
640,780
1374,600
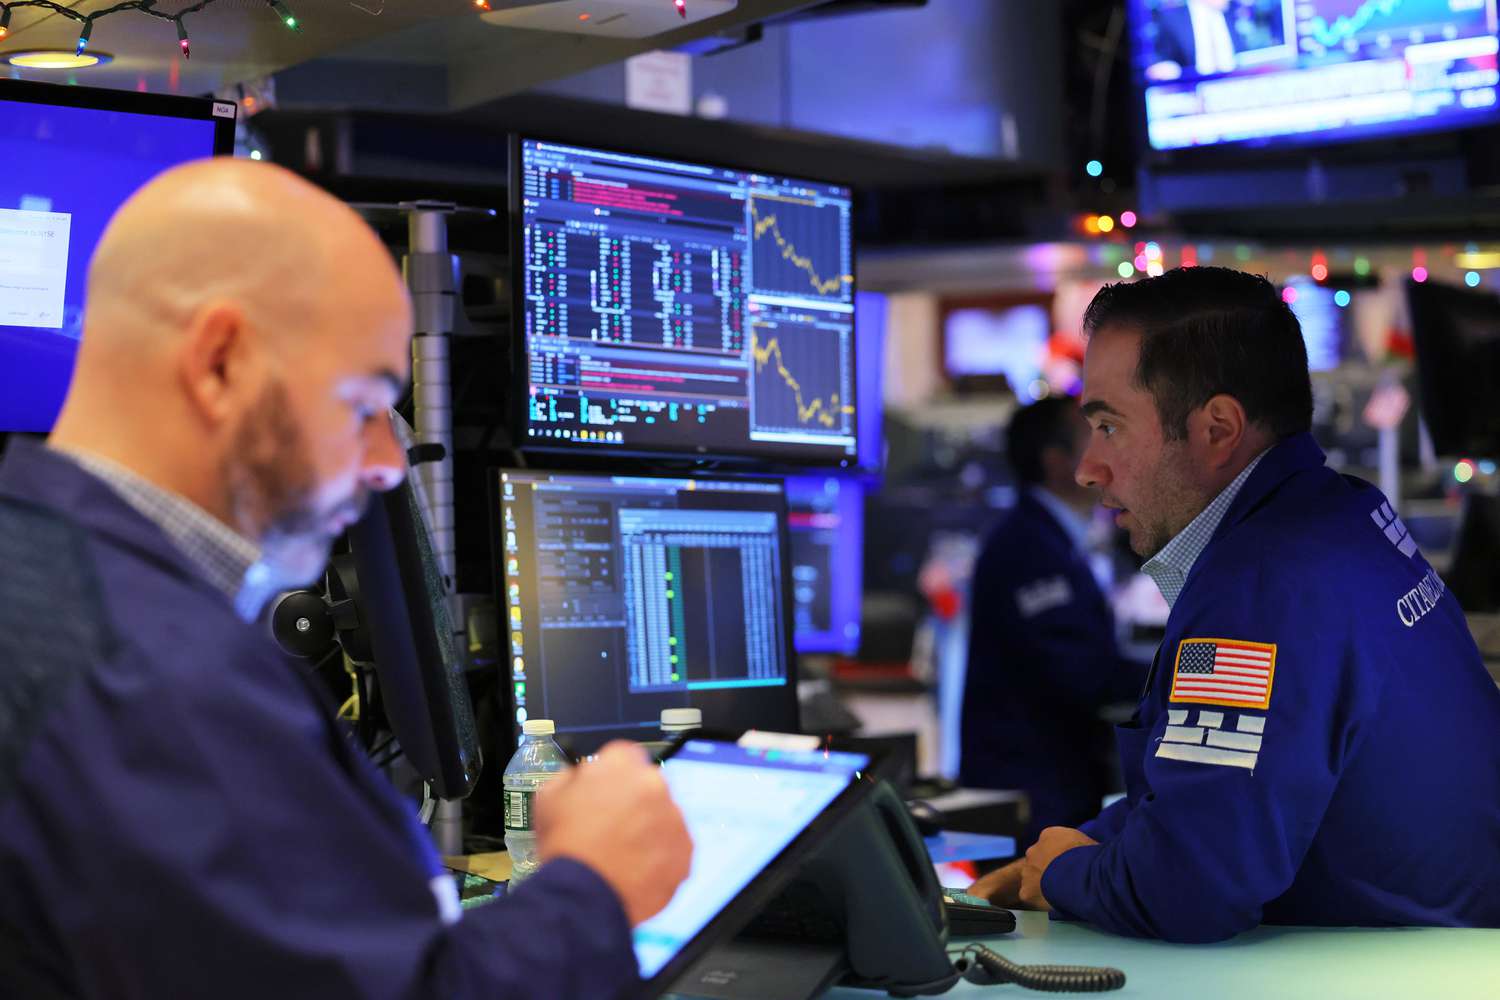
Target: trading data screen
x,y
674,307
1266,71
826,520
627,595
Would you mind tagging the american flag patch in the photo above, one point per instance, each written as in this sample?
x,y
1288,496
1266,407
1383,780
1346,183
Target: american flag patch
x,y
1224,672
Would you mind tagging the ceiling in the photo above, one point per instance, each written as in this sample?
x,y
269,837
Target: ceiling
x,y
239,40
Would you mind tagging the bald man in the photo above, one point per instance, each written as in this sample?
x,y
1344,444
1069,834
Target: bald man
x,y
180,814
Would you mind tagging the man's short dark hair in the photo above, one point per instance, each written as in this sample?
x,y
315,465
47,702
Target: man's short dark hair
x,y
1211,330
1048,423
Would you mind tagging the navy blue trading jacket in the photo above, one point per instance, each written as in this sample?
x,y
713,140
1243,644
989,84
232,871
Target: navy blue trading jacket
x,y
1042,661
1319,743
181,814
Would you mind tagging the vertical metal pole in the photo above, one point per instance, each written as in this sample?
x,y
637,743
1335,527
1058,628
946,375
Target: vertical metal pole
x,y
430,270
1389,441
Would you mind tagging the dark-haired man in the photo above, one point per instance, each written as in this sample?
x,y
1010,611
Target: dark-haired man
x,y
1317,742
1042,653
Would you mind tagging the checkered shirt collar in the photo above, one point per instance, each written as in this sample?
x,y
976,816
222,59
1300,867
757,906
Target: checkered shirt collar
x,y
220,553
1170,567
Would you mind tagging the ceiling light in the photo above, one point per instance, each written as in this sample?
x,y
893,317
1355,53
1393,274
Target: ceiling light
x,y
55,59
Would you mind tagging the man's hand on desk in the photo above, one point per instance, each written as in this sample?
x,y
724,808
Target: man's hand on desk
x,y
1054,841
1001,886
615,815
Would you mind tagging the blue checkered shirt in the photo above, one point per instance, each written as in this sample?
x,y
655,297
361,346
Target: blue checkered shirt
x,y
1170,567
218,551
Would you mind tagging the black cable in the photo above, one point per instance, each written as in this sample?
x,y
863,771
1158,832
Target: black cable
x,y
984,967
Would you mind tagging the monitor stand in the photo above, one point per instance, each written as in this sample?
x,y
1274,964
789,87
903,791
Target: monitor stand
x,y
756,970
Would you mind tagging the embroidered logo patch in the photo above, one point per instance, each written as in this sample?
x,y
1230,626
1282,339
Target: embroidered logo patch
x,y
1224,672
1212,739
1395,529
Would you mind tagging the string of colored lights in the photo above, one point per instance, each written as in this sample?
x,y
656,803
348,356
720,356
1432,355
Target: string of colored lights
x,y
147,7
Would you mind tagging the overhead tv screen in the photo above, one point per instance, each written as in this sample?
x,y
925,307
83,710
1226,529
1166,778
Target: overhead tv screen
x,y
1274,72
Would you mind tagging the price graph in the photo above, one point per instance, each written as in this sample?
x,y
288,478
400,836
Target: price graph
x,y
798,248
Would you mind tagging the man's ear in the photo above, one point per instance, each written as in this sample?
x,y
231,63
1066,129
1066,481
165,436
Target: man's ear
x,y
213,361
1221,425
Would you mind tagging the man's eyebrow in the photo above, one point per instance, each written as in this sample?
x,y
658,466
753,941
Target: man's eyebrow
x,y
1094,406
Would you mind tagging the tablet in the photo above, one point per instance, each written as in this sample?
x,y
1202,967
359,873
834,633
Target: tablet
x,y
753,815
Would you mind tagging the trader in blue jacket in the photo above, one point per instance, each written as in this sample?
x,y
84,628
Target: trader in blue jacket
x,y
1317,742
180,812
1043,659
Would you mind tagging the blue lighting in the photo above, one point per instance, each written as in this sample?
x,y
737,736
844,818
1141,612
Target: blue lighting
x,y
1472,279
1094,168
1341,298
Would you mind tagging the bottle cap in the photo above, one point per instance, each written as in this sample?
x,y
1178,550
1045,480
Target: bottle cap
x,y
676,720
538,727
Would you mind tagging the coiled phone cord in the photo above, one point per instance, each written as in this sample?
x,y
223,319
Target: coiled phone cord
x,y
980,965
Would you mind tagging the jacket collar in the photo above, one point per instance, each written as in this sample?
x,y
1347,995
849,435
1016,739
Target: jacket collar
x,y
34,474
1295,454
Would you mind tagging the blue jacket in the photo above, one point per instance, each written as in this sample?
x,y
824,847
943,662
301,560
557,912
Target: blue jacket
x,y
1319,743
1042,661
181,814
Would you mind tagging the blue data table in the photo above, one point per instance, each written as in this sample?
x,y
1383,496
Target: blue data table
x,y
1285,963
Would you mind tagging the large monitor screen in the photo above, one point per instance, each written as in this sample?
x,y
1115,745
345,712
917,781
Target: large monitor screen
x,y
627,595
826,517
1264,71
71,156
743,808
671,307
1324,318
1008,341
1457,336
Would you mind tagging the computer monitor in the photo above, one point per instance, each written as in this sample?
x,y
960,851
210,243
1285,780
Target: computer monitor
x,y
386,604
1275,72
997,343
674,308
71,156
625,595
1457,336
826,519
1324,321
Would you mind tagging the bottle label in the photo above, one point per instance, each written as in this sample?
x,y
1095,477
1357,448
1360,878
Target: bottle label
x,y
518,811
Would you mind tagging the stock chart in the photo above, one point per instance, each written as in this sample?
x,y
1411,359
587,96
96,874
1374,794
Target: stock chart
x,y
673,306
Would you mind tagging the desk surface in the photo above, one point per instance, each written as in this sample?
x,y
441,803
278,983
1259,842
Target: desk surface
x,y
1285,963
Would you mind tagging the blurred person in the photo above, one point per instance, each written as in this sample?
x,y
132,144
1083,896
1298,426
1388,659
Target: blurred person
x,y
1194,36
1043,659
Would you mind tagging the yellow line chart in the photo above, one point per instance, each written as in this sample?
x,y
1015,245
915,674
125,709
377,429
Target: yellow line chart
x,y
763,224
817,409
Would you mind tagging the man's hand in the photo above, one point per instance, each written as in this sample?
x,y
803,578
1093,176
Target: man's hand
x,y
1001,886
1055,840
614,814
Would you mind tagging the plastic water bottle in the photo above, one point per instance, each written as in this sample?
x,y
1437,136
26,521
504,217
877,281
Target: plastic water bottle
x,y
676,724
537,761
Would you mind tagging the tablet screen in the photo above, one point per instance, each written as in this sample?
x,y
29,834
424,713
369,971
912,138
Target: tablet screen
x,y
743,807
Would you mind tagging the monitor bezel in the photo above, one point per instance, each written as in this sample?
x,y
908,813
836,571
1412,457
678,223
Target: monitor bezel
x,y
764,887
498,567
1295,146
713,459
223,114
